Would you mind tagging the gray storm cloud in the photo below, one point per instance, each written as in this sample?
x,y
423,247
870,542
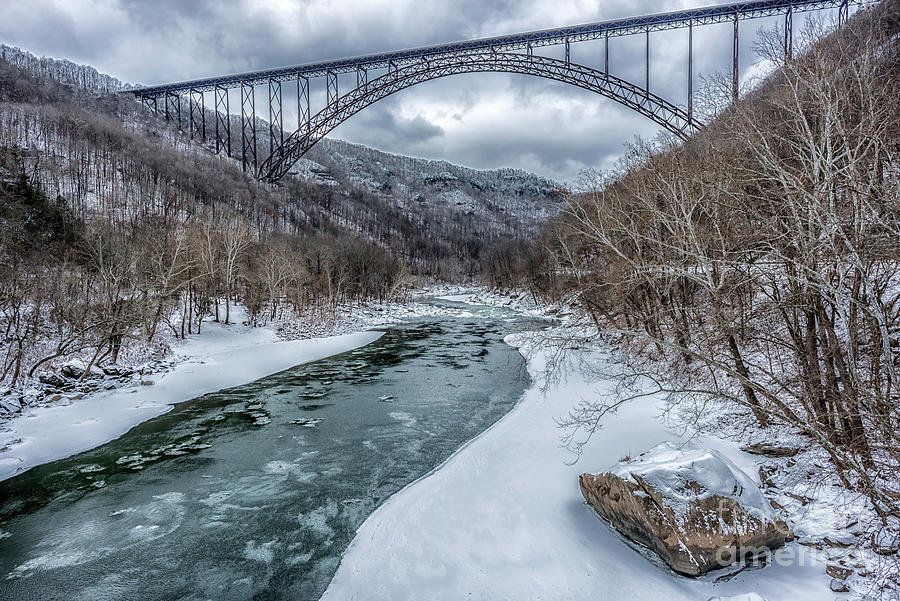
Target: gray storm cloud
x,y
483,120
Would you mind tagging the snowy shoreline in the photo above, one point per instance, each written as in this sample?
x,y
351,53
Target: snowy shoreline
x,y
503,518
222,357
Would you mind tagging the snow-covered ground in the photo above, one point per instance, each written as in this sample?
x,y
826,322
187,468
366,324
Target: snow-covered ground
x,y
504,518
221,357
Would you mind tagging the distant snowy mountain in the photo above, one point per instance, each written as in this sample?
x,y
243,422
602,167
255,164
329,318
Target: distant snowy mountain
x,y
414,183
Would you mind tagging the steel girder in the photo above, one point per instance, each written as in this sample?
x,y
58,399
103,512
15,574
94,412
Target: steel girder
x,y
521,41
673,118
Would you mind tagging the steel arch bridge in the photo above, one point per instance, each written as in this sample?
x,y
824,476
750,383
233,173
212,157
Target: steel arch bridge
x,y
402,69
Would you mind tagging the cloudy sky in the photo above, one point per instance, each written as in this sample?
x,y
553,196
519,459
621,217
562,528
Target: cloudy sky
x,y
480,120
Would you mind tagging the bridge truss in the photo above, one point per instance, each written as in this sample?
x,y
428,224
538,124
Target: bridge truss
x,y
394,71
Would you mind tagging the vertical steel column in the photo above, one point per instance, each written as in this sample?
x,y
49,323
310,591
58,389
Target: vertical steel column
x,y
606,55
198,125
302,104
173,107
735,68
248,127
647,63
789,34
567,50
690,82
529,51
276,121
843,12
362,77
331,87
223,120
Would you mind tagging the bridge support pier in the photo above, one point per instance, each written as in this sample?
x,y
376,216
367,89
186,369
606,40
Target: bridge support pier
x,y
736,65
331,88
647,62
223,120
173,107
788,34
248,127
197,125
276,121
606,53
303,113
690,76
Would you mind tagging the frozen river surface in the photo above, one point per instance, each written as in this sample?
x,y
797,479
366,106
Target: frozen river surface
x,y
254,492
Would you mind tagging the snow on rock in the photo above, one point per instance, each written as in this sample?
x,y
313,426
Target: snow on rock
x,y
670,470
694,507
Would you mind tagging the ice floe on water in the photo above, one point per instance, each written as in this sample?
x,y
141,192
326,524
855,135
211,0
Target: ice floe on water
x,y
262,552
220,358
297,469
403,417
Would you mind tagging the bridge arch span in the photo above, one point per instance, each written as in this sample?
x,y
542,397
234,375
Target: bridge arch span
x,y
668,115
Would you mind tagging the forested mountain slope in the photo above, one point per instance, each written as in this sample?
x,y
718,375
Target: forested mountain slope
x,y
438,216
756,268
115,225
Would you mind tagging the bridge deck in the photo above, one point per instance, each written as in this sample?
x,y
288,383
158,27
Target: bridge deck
x,y
545,37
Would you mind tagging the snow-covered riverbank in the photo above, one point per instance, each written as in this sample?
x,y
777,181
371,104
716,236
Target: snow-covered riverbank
x,y
504,519
221,357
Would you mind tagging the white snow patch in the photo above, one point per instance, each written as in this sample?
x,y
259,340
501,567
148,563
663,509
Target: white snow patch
x,y
667,468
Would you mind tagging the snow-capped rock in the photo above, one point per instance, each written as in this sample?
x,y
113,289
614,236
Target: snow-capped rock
x,y
694,507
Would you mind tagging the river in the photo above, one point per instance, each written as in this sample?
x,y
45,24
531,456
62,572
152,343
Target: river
x,y
255,491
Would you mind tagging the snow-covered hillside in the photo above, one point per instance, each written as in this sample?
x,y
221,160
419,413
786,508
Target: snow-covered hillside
x,y
413,182
513,197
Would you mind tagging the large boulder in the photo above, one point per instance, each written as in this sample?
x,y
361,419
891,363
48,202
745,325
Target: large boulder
x,y
75,368
694,507
52,379
119,371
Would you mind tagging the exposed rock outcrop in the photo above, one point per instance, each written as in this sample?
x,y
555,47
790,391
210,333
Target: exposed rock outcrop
x,y
695,508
